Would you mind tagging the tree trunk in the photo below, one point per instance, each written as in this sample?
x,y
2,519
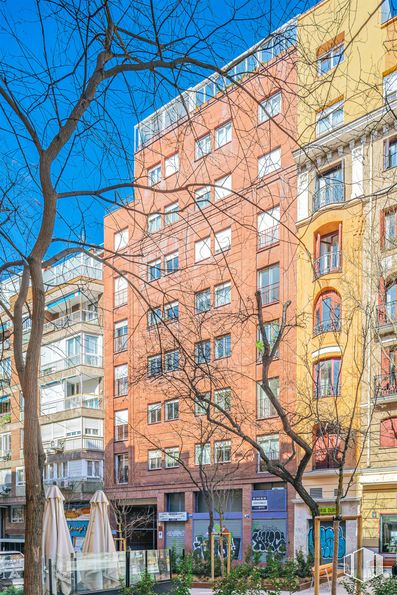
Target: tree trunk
x,y
336,525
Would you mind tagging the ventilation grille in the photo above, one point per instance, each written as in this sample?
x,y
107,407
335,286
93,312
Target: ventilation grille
x,y
316,492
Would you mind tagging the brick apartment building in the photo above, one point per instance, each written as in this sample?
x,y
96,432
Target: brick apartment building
x,y
215,223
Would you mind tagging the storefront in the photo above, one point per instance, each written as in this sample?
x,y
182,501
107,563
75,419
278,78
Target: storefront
x,y
379,510
174,529
269,521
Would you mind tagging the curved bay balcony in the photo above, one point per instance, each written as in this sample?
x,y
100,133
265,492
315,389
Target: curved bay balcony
x,y
330,262
332,192
327,326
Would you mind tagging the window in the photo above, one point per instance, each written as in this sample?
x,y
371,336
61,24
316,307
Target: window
x,y
121,380
5,405
223,451
202,352
201,403
329,118
203,197
154,317
223,240
329,188
171,165
388,534
222,294
223,398
121,425
202,301
17,514
154,365
120,336
389,10
269,227
271,447
223,135
121,468
171,361
327,313
94,469
269,284
264,407
328,256
154,459
269,163
271,332
121,239
171,213
154,270
327,448
390,153
5,444
20,476
388,312
388,433
171,263
223,346
171,410
330,58
154,413
202,249
120,291
389,228
327,378
269,108
154,175
203,146
171,457
202,454
171,311
223,187
390,86
154,222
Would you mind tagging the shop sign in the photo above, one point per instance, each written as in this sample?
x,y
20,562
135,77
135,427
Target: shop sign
x,y
259,503
328,510
172,516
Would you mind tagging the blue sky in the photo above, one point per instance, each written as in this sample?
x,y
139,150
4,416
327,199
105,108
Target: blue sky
x,y
214,35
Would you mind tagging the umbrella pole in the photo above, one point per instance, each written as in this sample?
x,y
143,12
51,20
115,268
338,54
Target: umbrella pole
x,y
50,575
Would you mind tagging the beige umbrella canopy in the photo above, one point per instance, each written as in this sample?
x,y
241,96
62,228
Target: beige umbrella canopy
x,y
57,544
99,546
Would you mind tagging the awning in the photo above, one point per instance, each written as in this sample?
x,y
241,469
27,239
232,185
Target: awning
x,y
62,300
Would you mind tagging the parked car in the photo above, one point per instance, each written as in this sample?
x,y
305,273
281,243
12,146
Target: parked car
x,y
11,569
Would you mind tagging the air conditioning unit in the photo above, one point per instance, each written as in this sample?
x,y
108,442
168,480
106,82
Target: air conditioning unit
x,y
56,446
66,484
5,490
5,455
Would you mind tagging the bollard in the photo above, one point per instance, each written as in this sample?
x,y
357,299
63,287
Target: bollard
x,y
170,558
127,567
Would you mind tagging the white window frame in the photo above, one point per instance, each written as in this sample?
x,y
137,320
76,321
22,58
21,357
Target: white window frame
x,y
390,86
202,454
170,258
171,213
223,240
155,456
268,227
202,146
154,175
121,239
219,447
166,414
223,398
275,453
151,265
223,187
154,407
269,107
223,134
327,116
269,162
171,457
222,294
222,340
171,165
199,201
334,56
17,518
264,407
202,249
154,222
20,482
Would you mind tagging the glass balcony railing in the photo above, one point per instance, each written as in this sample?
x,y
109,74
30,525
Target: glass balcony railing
x,y
74,402
333,192
81,359
329,262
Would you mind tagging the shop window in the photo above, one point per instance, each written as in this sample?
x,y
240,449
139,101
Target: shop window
x,y
327,256
327,378
327,313
388,433
388,533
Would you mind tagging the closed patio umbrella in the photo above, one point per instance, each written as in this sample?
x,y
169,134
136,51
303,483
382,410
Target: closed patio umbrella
x,y
99,545
57,544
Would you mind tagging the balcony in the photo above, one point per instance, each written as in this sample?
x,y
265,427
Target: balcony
x,y
81,265
66,321
326,388
120,297
385,387
70,443
328,459
81,359
270,294
387,318
333,192
330,262
74,402
76,484
120,343
268,237
327,326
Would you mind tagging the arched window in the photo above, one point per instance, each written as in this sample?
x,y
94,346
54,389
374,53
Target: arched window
x,y
327,313
327,252
388,433
391,301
